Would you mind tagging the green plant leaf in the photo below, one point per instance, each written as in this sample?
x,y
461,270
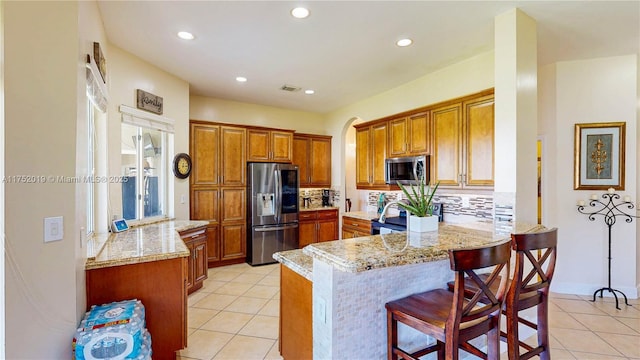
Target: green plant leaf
x,y
419,203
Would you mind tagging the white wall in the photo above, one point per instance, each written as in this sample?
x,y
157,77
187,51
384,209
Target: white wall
x,y
128,73
233,112
2,232
44,77
589,91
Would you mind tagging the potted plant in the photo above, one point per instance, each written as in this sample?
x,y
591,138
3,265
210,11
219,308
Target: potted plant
x,y
418,202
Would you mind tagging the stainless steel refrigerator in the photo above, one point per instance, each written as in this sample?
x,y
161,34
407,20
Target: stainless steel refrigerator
x,y
272,210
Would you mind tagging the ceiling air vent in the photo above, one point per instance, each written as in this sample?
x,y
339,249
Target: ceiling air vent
x,y
290,88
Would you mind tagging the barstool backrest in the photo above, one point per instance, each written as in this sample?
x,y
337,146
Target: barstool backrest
x,y
467,261
541,267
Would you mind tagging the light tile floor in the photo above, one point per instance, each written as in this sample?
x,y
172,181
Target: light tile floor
x,y
235,316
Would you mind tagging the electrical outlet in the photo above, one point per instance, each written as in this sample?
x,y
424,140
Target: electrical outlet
x,y
465,201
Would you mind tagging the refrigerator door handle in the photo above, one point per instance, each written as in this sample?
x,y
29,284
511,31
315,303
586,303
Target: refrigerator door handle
x,y
278,202
274,228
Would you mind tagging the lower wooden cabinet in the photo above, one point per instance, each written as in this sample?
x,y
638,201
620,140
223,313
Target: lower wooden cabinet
x,y
196,242
160,285
296,328
355,227
317,226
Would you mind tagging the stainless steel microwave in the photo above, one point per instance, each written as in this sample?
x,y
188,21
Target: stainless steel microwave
x,y
406,170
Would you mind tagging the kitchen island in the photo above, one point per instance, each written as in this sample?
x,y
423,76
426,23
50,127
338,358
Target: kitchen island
x,y
352,280
148,263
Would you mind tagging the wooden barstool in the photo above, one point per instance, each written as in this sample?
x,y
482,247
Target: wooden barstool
x,y
449,317
532,289
527,291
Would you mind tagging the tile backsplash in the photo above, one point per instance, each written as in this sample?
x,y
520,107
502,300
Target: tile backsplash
x,y
478,206
316,197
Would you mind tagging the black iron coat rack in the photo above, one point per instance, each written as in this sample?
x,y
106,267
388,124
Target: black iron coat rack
x,y
610,211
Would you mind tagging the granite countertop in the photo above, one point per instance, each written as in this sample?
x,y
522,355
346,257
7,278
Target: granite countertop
x,y
152,242
297,261
380,251
362,215
318,207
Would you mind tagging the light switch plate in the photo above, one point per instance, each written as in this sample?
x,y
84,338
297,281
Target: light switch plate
x,y
53,228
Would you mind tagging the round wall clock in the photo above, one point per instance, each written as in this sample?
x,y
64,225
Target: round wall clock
x,y
182,165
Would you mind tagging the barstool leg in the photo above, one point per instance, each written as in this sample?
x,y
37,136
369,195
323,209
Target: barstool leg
x,y
392,336
493,344
543,328
513,341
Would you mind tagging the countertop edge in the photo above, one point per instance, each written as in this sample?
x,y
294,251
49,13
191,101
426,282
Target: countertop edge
x,y
297,261
99,242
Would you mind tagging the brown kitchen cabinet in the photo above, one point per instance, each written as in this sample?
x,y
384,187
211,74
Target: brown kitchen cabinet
x,y
371,151
217,189
317,226
196,242
409,135
296,325
312,154
463,143
353,227
269,145
160,286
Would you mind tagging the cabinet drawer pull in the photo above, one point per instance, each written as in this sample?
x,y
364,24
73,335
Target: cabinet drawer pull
x,y
353,224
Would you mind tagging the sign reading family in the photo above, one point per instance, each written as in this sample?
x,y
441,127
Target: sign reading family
x,y
149,102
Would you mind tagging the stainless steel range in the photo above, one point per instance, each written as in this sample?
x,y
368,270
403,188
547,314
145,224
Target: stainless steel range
x,y
399,223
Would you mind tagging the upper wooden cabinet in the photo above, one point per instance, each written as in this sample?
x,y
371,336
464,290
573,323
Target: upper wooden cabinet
x,y
265,145
458,134
463,141
409,135
216,157
371,151
312,154
480,139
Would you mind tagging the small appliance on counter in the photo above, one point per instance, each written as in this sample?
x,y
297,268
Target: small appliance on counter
x,y
326,197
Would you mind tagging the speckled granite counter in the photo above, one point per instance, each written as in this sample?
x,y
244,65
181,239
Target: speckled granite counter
x,y
363,215
318,207
380,251
152,242
297,261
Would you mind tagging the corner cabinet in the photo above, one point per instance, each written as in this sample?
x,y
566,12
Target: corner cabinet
x,y
371,151
317,226
217,189
267,145
196,242
312,154
463,143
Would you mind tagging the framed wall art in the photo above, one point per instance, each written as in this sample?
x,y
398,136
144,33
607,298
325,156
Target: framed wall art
x,y
599,156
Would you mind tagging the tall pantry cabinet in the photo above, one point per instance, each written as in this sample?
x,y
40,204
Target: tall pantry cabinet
x,y
217,189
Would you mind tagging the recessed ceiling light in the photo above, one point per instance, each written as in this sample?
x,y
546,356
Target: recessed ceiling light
x,y
300,12
309,92
186,35
241,79
404,42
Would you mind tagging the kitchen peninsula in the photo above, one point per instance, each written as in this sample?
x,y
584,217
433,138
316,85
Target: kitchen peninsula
x,y
148,263
352,279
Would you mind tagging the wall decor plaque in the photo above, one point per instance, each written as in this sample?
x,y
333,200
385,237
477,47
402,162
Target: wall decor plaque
x,y
101,63
149,102
599,156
